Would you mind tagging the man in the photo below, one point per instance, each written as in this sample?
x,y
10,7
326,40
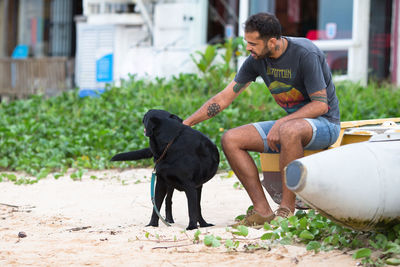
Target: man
x,y
296,73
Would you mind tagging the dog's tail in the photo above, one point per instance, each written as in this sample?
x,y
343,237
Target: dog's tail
x,y
133,155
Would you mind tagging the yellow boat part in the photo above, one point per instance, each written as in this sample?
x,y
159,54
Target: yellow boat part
x,y
351,132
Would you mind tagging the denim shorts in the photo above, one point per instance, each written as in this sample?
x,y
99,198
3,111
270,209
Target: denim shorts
x,y
325,133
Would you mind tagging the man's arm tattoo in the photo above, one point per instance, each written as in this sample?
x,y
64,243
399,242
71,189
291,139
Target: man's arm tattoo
x,y
213,109
321,97
238,87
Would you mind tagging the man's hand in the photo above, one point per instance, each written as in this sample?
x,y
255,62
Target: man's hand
x,y
273,137
186,122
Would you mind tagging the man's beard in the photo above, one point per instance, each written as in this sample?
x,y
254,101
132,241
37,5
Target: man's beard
x,y
264,54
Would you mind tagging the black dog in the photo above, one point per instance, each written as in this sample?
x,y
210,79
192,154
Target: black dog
x,y
190,160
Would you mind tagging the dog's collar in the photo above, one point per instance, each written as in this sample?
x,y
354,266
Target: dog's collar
x,y
166,149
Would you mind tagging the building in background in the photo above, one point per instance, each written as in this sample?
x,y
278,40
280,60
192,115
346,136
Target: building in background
x,y
46,26
116,38
37,46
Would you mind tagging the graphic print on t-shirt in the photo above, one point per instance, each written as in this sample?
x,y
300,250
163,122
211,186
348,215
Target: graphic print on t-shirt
x,y
288,97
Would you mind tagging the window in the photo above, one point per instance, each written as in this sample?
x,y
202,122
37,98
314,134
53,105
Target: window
x,y
339,28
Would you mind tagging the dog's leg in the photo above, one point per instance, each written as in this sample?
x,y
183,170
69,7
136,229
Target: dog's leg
x,y
191,195
202,222
168,205
160,192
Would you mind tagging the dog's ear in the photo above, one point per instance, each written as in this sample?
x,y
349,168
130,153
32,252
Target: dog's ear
x,y
150,125
173,116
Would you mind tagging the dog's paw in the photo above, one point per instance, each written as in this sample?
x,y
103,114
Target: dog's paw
x,y
170,220
206,224
154,224
191,227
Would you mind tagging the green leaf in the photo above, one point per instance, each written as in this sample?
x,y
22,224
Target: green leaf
x,y
396,228
284,225
335,240
373,244
392,261
208,240
362,253
4,162
230,244
328,240
305,234
269,236
381,241
313,245
240,217
267,226
318,224
11,177
211,241
242,231
210,54
196,235
293,220
392,248
57,175
286,241
343,240
303,223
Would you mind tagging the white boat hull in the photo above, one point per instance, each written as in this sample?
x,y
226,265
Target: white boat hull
x,y
357,185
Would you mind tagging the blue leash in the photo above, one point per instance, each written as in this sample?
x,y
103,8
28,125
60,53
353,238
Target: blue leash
x,y
152,185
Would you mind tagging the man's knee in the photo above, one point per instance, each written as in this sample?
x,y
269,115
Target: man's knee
x,y
227,139
295,130
288,130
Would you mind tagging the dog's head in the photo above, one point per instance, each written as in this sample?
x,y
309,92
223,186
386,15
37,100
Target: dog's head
x,y
155,117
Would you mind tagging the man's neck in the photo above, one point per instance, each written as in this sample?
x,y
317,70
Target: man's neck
x,y
280,48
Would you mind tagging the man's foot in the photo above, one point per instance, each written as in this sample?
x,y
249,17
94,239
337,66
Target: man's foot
x,y
254,219
283,212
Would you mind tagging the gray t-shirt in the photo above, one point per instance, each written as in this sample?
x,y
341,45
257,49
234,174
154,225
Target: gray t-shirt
x,y
300,71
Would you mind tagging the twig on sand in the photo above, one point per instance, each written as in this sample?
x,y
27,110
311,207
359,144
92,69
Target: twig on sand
x,y
75,229
26,208
9,205
175,246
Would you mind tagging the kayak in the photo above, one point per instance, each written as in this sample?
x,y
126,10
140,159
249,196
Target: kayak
x,y
354,176
356,185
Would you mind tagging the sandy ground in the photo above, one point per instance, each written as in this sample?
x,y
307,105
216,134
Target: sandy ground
x,y
101,222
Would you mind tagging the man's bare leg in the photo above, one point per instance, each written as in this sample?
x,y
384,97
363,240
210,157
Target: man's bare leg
x,y
236,143
293,135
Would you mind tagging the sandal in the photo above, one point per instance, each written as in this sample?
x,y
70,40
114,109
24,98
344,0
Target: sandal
x,y
254,219
283,212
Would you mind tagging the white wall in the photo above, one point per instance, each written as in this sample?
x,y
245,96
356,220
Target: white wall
x,y
179,29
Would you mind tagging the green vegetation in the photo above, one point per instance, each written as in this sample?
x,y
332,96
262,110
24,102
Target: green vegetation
x,y
317,233
41,136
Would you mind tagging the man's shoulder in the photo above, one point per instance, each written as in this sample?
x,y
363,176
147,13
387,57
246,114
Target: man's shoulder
x,y
303,44
299,40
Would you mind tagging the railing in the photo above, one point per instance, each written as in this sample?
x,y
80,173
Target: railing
x,y
20,78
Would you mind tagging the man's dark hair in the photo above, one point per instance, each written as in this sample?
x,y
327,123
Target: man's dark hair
x,y
266,24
